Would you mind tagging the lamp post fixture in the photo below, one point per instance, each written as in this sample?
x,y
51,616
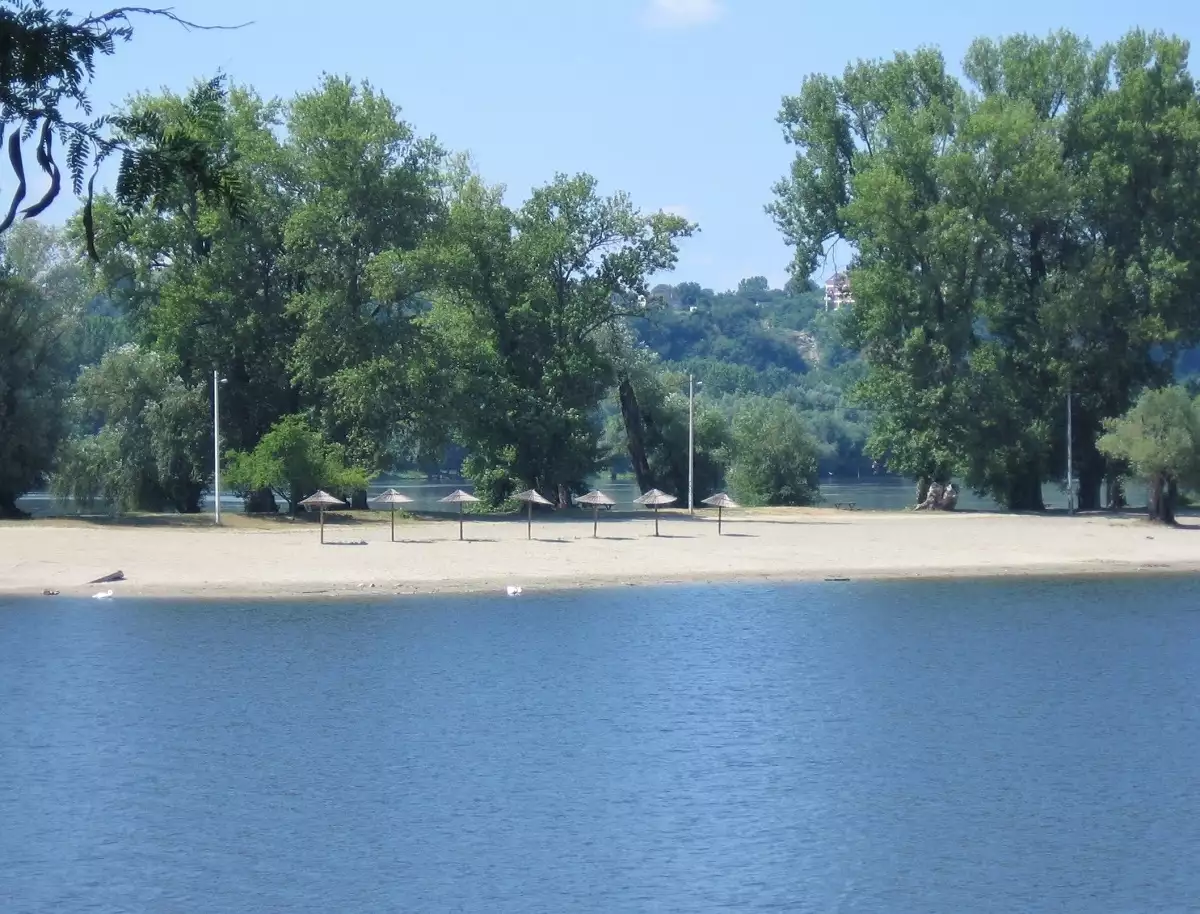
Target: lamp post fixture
x,y
217,382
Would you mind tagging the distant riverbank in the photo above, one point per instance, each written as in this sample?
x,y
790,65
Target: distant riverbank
x,y
282,558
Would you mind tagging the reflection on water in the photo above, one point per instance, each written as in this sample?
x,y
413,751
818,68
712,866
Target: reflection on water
x,y
943,748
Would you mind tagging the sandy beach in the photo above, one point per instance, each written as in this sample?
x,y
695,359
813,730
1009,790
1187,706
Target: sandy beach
x,y
280,558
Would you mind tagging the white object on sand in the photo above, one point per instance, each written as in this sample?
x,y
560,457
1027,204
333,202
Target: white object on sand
x,y
514,591
103,595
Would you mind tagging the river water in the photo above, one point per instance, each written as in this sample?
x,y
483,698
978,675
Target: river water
x,y
902,747
869,494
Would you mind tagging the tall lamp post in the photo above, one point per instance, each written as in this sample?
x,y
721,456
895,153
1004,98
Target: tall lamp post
x,y
1070,457
1075,344
217,382
691,443
692,385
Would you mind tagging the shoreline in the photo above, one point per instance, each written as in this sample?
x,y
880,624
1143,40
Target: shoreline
x,y
272,561
340,592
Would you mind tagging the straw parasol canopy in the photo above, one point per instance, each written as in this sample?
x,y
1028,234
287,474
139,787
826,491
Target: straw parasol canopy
x,y
460,498
655,499
531,497
597,500
322,500
393,498
720,501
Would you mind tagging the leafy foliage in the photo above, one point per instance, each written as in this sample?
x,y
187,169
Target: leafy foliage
x,y
294,460
521,302
143,439
35,331
46,68
1160,439
1014,235
774,456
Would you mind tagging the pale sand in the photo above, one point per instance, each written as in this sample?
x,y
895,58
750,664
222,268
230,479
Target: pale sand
x,y
283,559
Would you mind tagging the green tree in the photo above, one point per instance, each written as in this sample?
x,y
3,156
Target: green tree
x,y
294,459
1160,439
49,257
143,440
869,171
367,187
522,301
34,384
207,288
774,456
1012,237
1129,303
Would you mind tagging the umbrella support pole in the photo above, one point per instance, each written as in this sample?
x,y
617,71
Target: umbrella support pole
x,y
656,520
460,522
595,520
718,520
393,523
322,526
529,524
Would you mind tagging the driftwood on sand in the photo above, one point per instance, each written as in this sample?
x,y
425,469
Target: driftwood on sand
x,y
109,578
940,498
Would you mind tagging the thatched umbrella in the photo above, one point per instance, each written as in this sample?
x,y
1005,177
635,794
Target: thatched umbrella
x,y
655,499
531,497
460,498
393,498
595,498
720,501
322,500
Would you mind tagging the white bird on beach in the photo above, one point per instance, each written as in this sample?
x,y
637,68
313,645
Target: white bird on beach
x,y
103,595
514,591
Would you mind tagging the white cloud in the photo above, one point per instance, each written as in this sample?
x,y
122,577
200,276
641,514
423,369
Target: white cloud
x,y
682,14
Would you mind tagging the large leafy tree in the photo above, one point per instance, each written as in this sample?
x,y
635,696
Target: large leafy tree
x,y
522,301
1013,238
198,283
870,170
366,186
1131,293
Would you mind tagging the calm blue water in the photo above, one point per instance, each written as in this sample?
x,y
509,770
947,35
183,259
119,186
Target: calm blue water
x,y
871,494
932,747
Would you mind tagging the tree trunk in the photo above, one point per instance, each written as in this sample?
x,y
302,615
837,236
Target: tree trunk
x,y
262,501
1024,491
190,503
1091,479
564,496
8,506
631,413
1114,492
1161,497
358,500
923,483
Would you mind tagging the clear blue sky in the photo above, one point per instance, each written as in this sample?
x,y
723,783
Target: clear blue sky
x,y
673,101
